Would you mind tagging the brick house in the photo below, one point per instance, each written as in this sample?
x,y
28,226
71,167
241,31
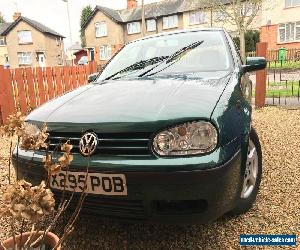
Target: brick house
x,y
30,43
107,30
281,24
3,46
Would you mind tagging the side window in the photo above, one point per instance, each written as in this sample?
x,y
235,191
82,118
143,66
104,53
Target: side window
x,y
246,84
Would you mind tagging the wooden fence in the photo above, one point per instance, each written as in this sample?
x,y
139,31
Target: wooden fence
x,y
23,89
273,55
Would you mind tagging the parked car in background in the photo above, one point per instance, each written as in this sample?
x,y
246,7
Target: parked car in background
x,y
6,65
167,128
84,60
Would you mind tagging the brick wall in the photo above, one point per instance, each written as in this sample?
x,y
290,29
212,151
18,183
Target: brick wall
x,y
269,34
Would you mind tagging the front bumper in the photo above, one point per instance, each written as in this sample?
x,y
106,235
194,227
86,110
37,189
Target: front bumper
x,y
190,196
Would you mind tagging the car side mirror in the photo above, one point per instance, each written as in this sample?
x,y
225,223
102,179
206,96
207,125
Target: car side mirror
x,y
255,63
92,77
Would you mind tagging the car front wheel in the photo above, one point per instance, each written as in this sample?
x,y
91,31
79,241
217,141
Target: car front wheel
x,y
252,176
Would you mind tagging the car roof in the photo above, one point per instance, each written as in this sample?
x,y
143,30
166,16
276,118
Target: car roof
x,y
179,32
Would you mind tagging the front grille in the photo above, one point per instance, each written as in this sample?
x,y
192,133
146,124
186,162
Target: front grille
x,y
118,144
114,207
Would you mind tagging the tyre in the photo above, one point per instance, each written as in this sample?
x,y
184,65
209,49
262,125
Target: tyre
x,y
252,176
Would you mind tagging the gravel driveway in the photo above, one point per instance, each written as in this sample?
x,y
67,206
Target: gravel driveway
x,y
277,210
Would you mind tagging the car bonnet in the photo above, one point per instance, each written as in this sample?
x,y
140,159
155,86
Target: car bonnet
x,y
134,101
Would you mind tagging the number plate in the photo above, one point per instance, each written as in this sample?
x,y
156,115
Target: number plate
x,y
97,183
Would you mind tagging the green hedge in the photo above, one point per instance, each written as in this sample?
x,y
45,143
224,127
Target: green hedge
x,y
251,38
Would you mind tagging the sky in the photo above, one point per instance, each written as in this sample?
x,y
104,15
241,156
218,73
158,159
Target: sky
x,y
53,13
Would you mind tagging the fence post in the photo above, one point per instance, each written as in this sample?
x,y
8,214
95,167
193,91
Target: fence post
x,y
93,67
261,77
7,105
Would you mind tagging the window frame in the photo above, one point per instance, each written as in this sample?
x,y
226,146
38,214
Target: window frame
x,y
98,30
2,41
166,21
155,25
29,55
6,58
285,27
248,9
58,42
130,31
24,42
220,16
202,17
108,52
292,4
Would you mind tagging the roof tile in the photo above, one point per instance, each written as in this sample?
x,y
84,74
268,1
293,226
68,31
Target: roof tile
x,y
3,27
41,27
153,10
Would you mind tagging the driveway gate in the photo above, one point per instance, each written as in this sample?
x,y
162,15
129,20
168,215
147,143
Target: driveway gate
x,y
283,80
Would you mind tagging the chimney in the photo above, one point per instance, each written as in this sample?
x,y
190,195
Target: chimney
x,y
16,15
131,4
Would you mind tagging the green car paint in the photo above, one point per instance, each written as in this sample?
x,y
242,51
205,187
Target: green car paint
x,y
149,105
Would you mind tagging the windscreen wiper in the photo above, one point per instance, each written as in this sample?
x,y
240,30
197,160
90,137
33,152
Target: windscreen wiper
x,y
139,65
173,58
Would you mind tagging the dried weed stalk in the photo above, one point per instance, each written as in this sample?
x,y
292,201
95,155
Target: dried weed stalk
x,y
29,204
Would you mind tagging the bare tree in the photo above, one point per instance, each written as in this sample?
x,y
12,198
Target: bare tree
x,y
239,13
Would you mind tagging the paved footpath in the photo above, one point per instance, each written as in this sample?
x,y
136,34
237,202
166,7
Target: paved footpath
x,y
288,101
284,101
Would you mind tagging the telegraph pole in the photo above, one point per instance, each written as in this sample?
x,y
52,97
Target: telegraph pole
x,y
71,41
66,1
143,19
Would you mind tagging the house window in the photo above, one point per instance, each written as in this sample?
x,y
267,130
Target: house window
x,y
24,58
105,52
292,3
170,22
151,25
59,61
6,58
101,29
133,28
221,16
197,17
248,9
58,41
289,32
2,41
24,37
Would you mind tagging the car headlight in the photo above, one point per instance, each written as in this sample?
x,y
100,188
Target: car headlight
x,y
186,139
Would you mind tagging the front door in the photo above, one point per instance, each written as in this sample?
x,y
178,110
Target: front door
x,y
41,57
92,54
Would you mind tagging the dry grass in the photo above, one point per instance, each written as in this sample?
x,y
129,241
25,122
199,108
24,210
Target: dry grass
x,y
276,211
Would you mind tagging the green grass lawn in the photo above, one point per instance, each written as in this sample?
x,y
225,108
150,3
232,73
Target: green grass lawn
x,y
285,65
280,88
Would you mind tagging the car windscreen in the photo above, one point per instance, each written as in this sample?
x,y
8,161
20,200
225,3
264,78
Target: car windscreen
x,y
180,53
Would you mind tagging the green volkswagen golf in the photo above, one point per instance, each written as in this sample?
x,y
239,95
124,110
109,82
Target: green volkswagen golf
x,y
166,127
